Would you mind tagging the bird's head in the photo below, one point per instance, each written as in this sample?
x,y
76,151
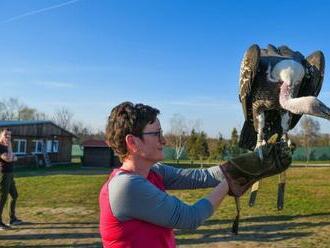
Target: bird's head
x,y
290,73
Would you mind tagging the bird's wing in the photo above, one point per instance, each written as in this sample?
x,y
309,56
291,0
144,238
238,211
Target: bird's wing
x,y
315,65
285,51
312,82
248,71
271,50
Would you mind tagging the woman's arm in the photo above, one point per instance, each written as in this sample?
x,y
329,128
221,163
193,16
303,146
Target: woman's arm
x,y
8,156
6,153
218,194
176,178
133,197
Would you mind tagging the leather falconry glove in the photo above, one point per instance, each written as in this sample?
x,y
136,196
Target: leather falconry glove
x,y
243,171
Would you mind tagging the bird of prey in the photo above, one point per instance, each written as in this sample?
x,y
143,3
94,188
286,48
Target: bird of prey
x,y
277,86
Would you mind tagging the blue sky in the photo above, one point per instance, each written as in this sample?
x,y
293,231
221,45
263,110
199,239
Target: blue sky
x,y
181,56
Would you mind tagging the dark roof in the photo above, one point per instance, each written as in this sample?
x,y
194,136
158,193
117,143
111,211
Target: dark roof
x,y
23,122
19,123
94,143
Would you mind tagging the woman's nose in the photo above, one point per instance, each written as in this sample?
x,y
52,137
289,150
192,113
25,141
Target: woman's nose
x,y
162,140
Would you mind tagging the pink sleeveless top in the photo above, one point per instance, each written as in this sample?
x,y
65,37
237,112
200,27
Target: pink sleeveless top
x,y
131,233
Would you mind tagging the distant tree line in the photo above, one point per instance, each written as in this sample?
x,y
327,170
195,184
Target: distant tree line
x,y
13,110
184,137
195,145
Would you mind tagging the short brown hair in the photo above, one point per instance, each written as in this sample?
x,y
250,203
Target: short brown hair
x,y
127,118
4,129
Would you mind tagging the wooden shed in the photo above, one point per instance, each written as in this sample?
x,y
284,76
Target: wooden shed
x,y
39,142
98,154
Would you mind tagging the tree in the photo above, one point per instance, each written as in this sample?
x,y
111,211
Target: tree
x,y
12,109
217,147
202,146
63,118
191,145
310,132
234,149
27,113
80,131
197,145
234,137
178,134
9,109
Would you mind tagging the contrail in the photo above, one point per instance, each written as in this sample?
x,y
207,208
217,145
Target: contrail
x,y
38,11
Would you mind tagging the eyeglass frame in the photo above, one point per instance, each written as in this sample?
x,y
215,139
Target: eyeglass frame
x,y
155,133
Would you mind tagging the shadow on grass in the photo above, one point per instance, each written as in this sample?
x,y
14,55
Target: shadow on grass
x,y
86,245
50,232
57,225
263,228
260,229
80,171
47,236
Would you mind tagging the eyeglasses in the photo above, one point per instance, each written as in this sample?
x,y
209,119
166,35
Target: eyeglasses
x,y
156,133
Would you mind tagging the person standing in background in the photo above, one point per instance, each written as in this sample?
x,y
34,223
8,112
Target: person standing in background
x,y
7,182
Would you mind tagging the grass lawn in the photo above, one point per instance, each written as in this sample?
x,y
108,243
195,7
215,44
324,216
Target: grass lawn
x,y
61,210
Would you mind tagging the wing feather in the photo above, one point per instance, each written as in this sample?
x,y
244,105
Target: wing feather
x,y
248,71
271,50
312,82
286,51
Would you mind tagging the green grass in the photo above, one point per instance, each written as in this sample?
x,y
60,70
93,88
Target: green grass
x,y
64,201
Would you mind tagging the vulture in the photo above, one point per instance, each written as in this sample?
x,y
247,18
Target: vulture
x,y
277,86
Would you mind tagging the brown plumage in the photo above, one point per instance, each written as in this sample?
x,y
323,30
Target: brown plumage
x,y
262,82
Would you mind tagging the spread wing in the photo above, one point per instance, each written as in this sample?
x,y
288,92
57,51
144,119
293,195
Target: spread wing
x,y
248,71
312,82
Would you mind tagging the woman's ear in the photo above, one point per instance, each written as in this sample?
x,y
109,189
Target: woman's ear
x,y
131,143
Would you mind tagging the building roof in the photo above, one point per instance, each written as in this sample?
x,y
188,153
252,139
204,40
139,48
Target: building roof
x,y
94,143
19,123
30,122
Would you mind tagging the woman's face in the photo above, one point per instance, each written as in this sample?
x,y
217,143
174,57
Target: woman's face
x,y
151,146
5,136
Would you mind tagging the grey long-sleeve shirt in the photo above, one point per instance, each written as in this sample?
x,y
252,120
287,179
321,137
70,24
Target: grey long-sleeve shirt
x,y
132,196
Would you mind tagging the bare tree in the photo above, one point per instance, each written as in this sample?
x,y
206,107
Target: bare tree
x,y
178,134
12,109
310,132
41,116
63,118
81,131
26,113
9,109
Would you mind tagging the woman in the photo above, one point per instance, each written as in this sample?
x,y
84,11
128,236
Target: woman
x,y
135,210
7,182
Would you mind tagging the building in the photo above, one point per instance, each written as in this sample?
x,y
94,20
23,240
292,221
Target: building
x,y
98,154
39,142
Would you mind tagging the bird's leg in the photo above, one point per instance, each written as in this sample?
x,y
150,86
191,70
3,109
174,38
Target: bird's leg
x,y
260,141
253,193
285,121
260,136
